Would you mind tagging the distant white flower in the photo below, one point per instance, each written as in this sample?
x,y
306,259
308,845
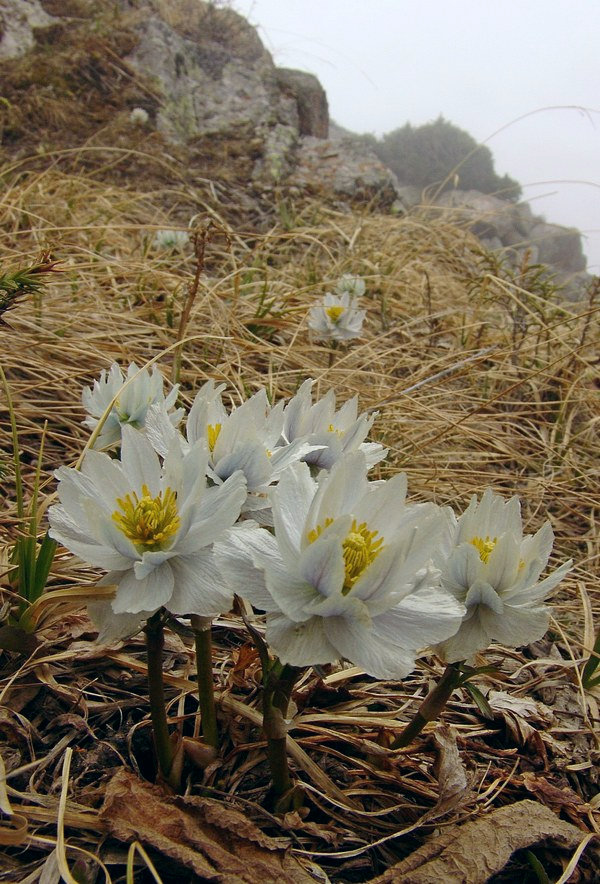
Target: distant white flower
x,y
151,526
170,240
336,318
494,571
249,438
139,116
132,393
339,432
353,285
347,574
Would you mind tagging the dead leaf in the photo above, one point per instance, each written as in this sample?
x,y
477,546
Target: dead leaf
x,y
560,799
449,769
217,842
473,852
520,714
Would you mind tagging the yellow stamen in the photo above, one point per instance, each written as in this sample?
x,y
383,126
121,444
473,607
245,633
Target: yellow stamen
x,y
212,434
360,549
149,522
335,313
332,429
484,547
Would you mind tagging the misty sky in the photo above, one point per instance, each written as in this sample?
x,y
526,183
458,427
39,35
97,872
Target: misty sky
x,y
481,64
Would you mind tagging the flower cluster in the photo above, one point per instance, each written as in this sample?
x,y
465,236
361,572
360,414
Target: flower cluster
x,y
273,502
170,240
118,399
338,318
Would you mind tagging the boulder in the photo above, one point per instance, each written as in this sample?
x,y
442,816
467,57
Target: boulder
x,y
514,229
19,19
344,169
212,72
310,98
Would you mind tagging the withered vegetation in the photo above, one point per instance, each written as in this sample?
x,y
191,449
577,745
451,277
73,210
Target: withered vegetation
x,y
480,375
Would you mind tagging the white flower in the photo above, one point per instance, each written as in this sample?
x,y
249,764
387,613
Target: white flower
x,y
139,116
494,571
353,285
248,439
132,394
151,526
347,574
339,432
170,240
336,318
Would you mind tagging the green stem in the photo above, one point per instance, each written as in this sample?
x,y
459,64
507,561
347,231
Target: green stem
x,y
277,692
432,706
164,748
206,690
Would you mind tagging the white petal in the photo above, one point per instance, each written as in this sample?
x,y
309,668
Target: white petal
x,y
290,592
375,653
251,458
339,491
235,558
290,502
532,594
151,560
140,462
300,644
374,452
96,554
516,627
114,627
464,568
218,509
199,586
470,638
322,563
149,593
421,619
107,477
383,506
483,595
502,566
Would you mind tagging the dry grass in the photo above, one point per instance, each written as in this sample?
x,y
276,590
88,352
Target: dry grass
x,y
477,382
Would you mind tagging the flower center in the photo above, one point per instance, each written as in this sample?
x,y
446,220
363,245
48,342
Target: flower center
x,y
212,434
484,547
332,429
149,522
359,549
334,313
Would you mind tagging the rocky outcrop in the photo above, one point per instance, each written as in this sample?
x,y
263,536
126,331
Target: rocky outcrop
x,y
19,20
343,169
310,98
514,229
210,81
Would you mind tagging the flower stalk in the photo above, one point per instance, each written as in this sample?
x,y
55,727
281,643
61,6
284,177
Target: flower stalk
x,y
432,706
206,691
164,748
279,684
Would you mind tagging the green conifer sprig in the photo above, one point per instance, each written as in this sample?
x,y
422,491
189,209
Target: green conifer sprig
x,y
25,281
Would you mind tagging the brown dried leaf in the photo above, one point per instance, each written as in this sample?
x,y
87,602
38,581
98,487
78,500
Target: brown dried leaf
x,y
521,715
449,769
556,798
473,852
215,841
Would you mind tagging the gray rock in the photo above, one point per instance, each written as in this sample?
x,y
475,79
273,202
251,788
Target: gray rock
x,y
214,75
310,98
514,229
558,246
19,20
345,170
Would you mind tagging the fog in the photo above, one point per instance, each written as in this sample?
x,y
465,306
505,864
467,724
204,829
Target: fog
x,y
521,76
